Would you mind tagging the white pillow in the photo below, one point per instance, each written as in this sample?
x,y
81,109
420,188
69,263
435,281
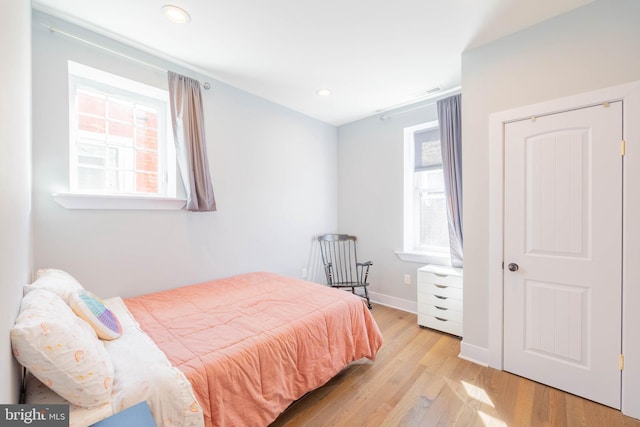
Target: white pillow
x,y
62,350
59,282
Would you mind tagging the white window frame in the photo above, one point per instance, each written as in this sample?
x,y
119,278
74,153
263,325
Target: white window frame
x,y
81,76
409,251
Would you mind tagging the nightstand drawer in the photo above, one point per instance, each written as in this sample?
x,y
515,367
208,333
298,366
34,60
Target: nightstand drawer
x,y
440,301
440,312
441,275
441,324
425,289
446,280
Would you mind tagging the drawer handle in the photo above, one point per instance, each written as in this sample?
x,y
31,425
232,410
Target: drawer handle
x,y
441,286
440,297
441,319
440,275
441,308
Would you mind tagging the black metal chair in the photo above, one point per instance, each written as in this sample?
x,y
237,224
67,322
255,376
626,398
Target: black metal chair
x,y
341,264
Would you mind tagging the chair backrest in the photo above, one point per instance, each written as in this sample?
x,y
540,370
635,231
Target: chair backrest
x,y
339,252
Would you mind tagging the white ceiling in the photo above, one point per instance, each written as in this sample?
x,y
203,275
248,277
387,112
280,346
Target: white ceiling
x,y
372,54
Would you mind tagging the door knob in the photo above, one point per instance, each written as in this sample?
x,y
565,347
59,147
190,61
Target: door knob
x,y
513,267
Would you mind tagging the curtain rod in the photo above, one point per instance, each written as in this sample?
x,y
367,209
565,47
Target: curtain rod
x,y
205,85
434,99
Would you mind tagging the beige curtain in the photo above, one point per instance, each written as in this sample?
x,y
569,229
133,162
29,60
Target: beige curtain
x,y
187,118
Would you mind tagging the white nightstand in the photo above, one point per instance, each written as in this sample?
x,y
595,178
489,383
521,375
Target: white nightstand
x,y
440,298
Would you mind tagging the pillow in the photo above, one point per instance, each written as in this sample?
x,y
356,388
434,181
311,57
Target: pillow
x,y
91,309
59,282
62,350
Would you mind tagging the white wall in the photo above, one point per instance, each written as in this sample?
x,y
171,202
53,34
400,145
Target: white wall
x,y
15,179
370,196
273,171
592,47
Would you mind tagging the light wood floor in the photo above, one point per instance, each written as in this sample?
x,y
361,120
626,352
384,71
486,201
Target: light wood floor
x,y
418,380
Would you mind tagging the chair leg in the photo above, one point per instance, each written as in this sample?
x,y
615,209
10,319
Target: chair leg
x,y
366,295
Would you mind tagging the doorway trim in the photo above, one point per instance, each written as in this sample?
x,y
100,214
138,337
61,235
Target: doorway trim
x,y
630,95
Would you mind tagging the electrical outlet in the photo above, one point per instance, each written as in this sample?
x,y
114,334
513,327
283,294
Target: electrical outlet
x,y
304,273
407,279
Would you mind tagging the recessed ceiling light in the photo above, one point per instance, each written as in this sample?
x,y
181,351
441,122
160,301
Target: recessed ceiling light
x,y
176,14
323,92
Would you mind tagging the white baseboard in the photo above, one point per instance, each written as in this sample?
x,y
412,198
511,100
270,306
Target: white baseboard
x,y
394,302
470,352
474,353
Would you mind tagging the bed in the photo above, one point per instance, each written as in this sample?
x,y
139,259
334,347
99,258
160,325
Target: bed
x,y
230,352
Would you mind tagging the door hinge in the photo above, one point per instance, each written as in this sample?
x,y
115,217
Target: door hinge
x,y
623,147
621,362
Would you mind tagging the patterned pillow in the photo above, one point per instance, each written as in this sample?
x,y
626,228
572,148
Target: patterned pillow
x,y
92,310
59,282
62,350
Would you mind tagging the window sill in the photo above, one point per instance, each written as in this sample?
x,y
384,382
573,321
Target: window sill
x,y
424,258
104,202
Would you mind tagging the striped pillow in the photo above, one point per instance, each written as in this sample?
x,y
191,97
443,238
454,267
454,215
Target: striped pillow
x,y
92,310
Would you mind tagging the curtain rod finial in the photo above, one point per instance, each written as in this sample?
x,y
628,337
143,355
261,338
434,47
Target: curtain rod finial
x,y
206,85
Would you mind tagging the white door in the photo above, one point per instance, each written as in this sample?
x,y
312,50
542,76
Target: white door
x,y
563,238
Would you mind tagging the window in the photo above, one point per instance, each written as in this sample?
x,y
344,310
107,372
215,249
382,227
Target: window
x,y
119,138
426,230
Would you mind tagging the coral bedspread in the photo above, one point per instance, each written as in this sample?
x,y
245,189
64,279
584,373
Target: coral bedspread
x,y
252,344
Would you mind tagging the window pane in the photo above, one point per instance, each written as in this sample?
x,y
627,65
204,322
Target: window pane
x,y
120,181
113,180
90,103
146,161
427,149
126,158
434,230
147,138
428,155
128,181
91,154
120,110
112,157
121,129
147,117
146,182
91,124
430,180
91,179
